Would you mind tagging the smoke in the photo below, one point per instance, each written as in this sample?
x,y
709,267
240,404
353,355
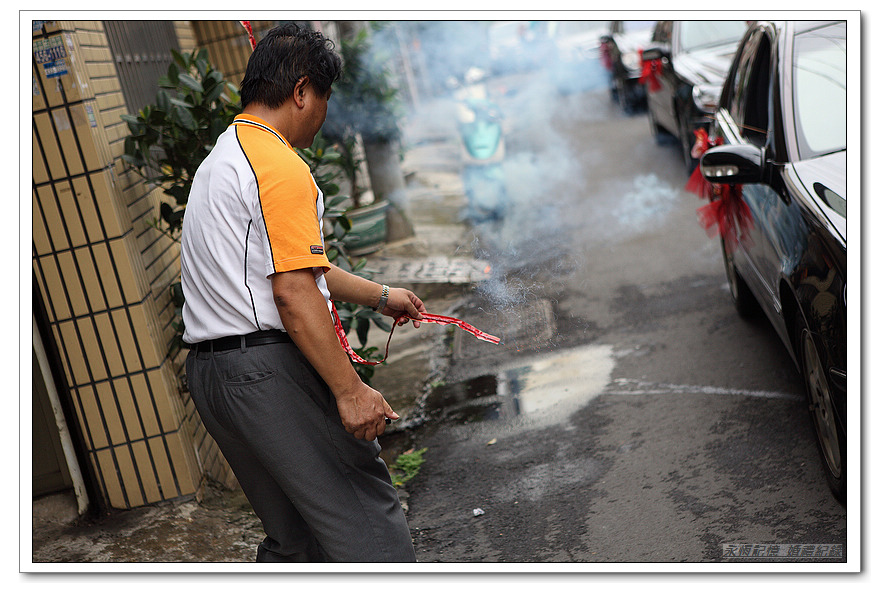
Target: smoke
x,y
541,75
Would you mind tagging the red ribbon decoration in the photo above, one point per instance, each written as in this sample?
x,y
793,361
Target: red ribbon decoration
x,y
696,183
726,208
724,213
605,55
650,71
250,32
426,318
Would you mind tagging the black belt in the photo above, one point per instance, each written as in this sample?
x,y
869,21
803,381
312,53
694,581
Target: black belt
x,y
269,336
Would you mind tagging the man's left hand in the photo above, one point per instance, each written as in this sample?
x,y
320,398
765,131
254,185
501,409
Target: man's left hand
x,y
404,302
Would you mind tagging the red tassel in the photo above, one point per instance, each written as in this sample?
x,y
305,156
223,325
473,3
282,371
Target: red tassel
x,y
650,71
724,214
726,209
696,184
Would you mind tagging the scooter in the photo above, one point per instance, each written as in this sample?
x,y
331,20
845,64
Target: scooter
x,y
482,140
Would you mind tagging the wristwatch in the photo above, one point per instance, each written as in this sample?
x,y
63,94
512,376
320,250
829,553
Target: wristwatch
x,y
383,300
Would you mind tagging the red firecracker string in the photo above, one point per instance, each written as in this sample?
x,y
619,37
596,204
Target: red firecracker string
x,y
250,32
426,318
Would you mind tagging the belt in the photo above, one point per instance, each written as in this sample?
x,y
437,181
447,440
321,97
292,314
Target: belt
x,y
269,336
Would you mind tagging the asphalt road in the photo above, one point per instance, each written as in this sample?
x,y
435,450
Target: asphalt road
x,y
630,415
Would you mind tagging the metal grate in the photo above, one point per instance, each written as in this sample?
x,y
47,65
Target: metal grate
x,y
527,327
142,53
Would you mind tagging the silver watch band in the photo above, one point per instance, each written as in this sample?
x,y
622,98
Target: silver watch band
x,y
383,300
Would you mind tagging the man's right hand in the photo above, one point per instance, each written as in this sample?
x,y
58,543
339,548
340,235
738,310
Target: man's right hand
x,y
363,411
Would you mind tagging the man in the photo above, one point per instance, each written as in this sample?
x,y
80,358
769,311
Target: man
x,y
266,371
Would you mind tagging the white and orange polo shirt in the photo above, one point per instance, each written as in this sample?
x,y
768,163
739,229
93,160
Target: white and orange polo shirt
x,y
254,210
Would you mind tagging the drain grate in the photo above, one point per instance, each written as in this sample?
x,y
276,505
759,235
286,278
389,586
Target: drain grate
x,y
527,327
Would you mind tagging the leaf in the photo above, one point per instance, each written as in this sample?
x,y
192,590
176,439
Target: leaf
x,y
179,193
363,330
165,210
330,189
382,324
179,59
189,82
163,100
135,125
184,117
213,93
177,294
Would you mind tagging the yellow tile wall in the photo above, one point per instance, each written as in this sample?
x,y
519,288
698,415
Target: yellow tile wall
x,y
103,274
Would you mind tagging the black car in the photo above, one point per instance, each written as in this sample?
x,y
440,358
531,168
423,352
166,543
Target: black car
x,y
622,50
685,67
781,130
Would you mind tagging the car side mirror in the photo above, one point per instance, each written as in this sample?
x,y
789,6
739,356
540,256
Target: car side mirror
x,y
740,163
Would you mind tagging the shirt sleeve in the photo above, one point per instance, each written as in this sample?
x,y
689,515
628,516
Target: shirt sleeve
x,y
288,209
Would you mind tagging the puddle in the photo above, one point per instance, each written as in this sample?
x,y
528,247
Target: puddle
x,y
543,389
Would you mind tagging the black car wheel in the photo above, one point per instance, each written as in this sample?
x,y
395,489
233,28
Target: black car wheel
x,y
743,299
623,96
660,134
828,428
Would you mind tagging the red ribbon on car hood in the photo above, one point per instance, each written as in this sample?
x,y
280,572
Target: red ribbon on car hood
x,y
426,318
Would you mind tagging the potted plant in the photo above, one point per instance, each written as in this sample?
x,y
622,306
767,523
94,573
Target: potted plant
x,y
327,166
366,107
168,140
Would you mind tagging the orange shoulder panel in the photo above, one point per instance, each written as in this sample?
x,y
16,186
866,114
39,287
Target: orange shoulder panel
x,y
288,200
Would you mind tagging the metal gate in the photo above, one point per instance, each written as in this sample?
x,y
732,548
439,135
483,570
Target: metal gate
x,y
142,53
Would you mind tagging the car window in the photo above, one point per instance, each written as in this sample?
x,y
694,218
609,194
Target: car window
x,y
739,77
567,28
756,99
662,32
819,90
695,35
633,26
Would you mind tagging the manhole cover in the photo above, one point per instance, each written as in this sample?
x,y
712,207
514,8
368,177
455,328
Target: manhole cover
x,y
526,327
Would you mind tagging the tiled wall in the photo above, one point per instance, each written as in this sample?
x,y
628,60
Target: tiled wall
x,y
227,44
103,273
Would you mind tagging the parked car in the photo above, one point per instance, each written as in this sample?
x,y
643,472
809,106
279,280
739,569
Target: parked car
x,y
689,61
576,64
781,121
519,46
622,49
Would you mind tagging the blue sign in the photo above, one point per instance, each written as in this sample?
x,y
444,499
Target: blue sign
x,y
51,53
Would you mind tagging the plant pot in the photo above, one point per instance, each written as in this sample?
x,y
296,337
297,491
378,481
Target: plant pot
x,y
388,184
368,228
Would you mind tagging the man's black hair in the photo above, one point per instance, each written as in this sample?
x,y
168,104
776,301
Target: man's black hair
x,y
286,54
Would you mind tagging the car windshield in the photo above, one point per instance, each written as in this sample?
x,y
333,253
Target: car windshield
x,y
819,86
633,26
701,34
571,28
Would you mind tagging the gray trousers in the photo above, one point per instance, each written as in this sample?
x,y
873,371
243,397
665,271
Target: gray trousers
x,y
321,494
